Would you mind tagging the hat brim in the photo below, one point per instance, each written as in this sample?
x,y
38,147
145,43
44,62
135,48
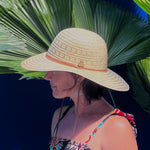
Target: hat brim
x,y
108,79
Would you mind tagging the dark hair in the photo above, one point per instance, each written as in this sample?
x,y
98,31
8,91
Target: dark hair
x,y
93,90
90,89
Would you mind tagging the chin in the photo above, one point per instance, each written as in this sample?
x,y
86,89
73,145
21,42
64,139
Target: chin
x,y
58,96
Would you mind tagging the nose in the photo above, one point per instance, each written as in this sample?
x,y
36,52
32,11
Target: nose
x,y
48,76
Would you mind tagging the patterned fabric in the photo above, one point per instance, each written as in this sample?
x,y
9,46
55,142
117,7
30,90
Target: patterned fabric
x,y
130,118
64,144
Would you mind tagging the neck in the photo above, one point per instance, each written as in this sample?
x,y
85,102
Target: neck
x,y
83,108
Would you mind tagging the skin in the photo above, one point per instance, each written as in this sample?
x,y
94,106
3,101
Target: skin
x,y
115,134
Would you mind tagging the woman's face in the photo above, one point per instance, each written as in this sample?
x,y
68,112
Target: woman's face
x,y
61,83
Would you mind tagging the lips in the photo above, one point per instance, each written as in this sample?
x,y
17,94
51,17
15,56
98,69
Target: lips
x,y
53,87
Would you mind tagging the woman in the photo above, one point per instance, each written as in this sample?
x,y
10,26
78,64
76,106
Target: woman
x,y
77,68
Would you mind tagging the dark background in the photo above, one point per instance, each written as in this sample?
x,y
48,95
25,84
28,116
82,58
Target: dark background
x,y
27,106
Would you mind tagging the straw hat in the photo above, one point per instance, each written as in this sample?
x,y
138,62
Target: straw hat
x,y
79,51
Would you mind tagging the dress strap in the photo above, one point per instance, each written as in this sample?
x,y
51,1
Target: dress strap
x,y
95,130
62,116
130,118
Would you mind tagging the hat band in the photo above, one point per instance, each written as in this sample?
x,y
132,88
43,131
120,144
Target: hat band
x,y
79,66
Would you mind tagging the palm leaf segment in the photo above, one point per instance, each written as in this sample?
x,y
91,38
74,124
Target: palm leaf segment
x,y
139,74
126,35
36,23
12,51
144,4
124,38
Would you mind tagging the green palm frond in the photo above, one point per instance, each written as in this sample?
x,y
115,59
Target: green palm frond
x,y
144,4
139,74
37,23
34,22
144,65
11,47
21,30
83,17
12,52
126,35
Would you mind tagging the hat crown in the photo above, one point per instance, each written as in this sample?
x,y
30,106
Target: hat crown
x,y
81,48
79,51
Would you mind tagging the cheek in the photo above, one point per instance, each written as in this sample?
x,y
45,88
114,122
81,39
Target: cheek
x,y
67,85
70,82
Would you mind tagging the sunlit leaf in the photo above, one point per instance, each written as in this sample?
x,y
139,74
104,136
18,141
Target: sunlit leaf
x,y
140,79
35,23
144,4
82,13
126,35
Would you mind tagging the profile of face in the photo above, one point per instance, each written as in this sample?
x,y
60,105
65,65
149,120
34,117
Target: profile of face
x,y
63,84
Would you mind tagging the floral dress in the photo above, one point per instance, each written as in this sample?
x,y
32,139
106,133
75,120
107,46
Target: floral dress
x,y
64,144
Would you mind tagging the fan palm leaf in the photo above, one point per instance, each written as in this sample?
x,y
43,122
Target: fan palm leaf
x,y
83,16
144,67
144,4
12,52
34,22
139,74
37,23
126,35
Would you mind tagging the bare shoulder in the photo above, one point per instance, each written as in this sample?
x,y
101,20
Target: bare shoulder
x,y
118,134
56,117
119,123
